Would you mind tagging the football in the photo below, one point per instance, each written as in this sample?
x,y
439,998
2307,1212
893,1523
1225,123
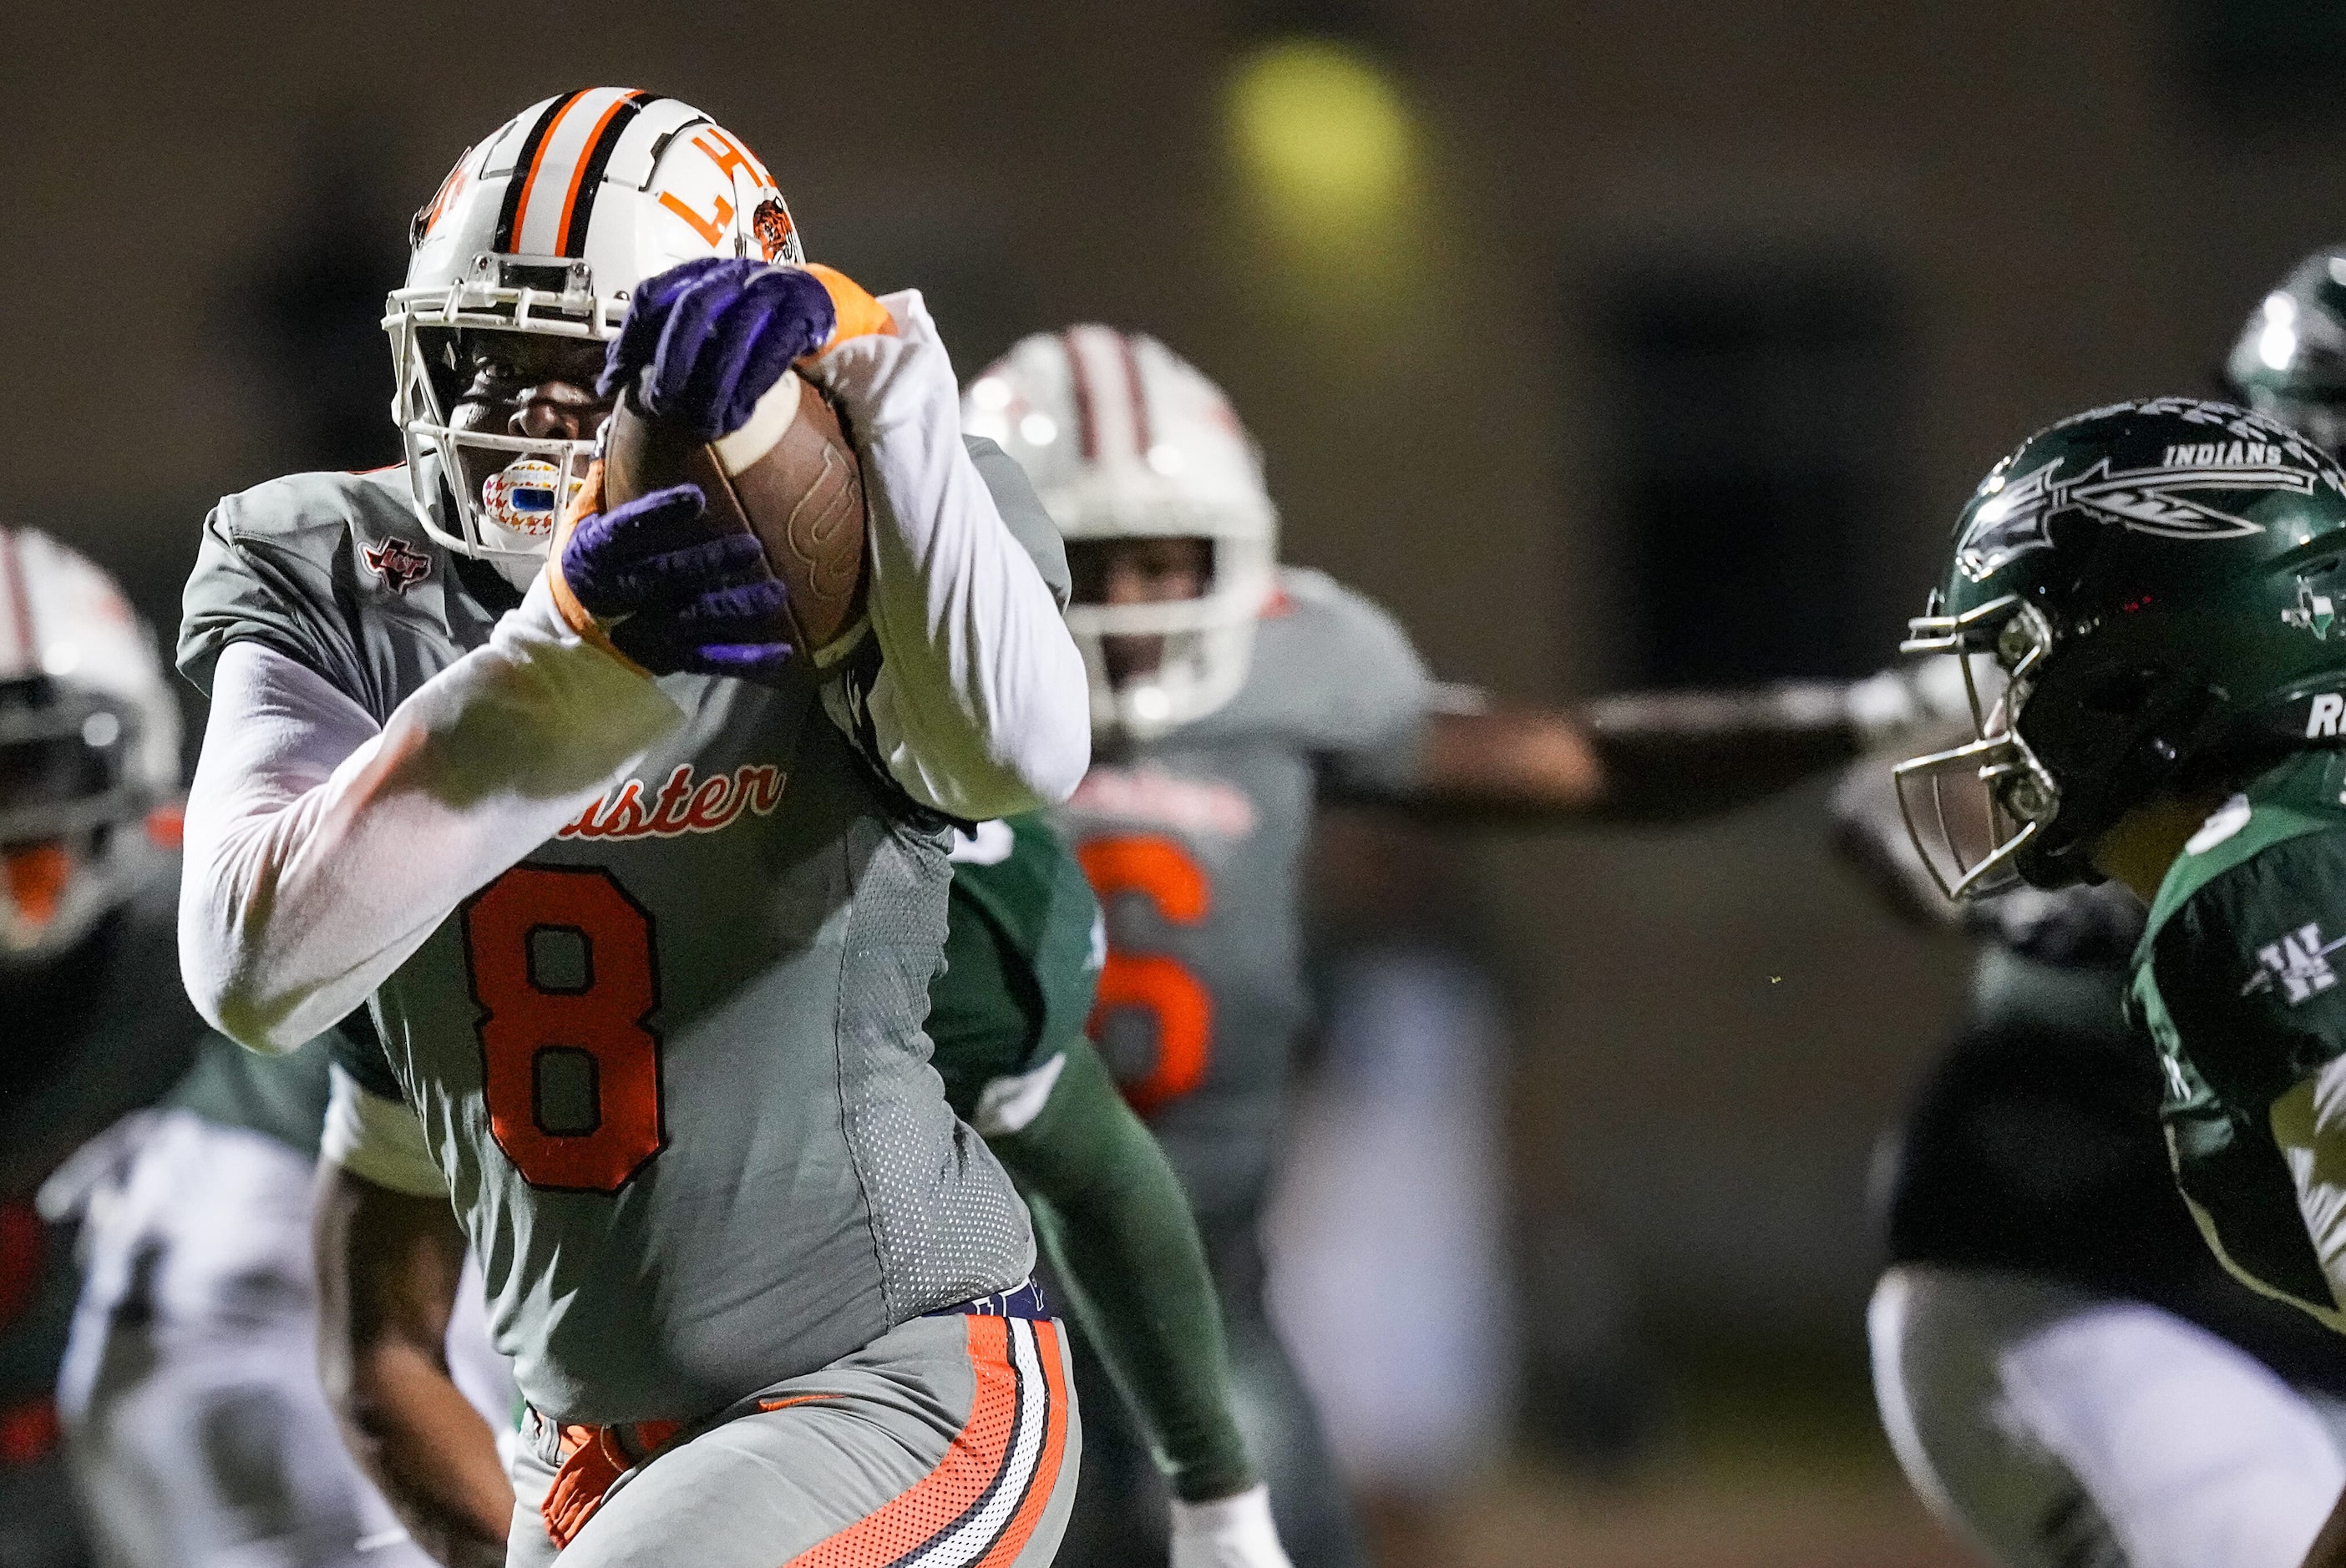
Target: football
x,y
789,474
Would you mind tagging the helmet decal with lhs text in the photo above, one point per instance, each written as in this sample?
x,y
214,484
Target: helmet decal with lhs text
x,y
2154,500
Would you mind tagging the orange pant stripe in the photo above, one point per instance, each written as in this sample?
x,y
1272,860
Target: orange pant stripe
x,y
1014,1538
930,1504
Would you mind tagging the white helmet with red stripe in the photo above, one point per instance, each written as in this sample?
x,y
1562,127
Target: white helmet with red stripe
x,y
1125,439
89,746
548,227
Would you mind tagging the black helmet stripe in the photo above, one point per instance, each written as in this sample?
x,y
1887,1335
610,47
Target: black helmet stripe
x,y
591,172
517,181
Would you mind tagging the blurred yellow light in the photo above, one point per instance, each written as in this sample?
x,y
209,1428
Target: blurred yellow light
x,y
1324,132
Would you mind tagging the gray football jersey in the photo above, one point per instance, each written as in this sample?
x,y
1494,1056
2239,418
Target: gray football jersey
x,y
1193,842
671,1063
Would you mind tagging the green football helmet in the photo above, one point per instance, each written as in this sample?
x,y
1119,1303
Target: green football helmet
x,y
2144,596
2290,363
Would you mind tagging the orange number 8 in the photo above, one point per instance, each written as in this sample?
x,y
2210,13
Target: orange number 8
x,y
523,1021
1160,870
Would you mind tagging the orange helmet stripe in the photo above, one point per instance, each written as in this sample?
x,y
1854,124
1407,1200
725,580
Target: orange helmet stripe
x,y
1087,416
538,162
533,148
1138,392
604,136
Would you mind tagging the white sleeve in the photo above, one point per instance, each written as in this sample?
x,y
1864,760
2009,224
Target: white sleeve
x,y
980,707
1234,1531
2309,1122
322,853
378,1139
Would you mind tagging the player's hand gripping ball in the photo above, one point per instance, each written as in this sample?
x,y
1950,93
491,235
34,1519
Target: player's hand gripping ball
x,y
672,587
707,397
703,342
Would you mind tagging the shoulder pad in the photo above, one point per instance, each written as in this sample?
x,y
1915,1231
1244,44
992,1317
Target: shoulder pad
x,y
2300,797
330,570
1330,665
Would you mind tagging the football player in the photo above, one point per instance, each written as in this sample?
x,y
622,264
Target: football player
x,y
1228,695
90,772
2151,583
193,1425
1023,952
2049,1307
643,899
2289,360
2048,1297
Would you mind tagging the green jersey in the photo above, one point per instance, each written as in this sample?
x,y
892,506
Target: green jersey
x,y
2235,982
281,1097
1024,946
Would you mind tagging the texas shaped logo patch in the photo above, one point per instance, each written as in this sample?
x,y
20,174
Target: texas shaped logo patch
x,y
399,563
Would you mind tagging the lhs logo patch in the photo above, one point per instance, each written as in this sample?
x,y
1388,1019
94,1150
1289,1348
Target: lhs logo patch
x,y
398,562
2298,962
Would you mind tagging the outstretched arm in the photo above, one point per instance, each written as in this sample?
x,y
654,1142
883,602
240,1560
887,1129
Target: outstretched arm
x,y
1111,1215
1645,756
2328,1550
388,1264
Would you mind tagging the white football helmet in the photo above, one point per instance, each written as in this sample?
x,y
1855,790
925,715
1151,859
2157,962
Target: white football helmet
x,y
548,227
89,748
1125,439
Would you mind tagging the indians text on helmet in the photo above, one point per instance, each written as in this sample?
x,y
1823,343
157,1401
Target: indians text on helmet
x,y
2156,499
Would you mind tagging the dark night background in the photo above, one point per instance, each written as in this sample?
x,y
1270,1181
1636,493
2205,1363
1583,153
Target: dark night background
x,y
1619,343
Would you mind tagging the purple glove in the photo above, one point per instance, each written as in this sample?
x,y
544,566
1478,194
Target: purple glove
x,y
677,592
704,340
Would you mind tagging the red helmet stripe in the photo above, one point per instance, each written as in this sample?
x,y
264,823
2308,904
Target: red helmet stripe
x,y
600,141
17,601
517,190
1087,415
1139,391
